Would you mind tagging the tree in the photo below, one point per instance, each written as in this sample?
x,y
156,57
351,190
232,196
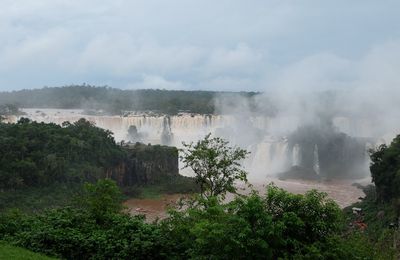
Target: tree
x,y
102,198
385,170
215,164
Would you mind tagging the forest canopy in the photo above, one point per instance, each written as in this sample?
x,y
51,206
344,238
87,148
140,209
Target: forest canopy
x,y
36,154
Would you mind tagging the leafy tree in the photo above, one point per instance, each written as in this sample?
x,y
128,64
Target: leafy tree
x,y
102,199
216,165
277,225
385,170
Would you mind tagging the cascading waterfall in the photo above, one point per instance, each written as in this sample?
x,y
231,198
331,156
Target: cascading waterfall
x,y
269,156
296,155
316,160
166,135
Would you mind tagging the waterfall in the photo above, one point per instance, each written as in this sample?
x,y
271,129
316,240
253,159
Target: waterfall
x,y
316,160
166,135
270,158
263,136
296,155
261,159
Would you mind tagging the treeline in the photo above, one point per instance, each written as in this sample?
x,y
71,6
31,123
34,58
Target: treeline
x,y
37,154
114,101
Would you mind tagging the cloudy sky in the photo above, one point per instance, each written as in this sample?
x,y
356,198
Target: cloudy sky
x,y
258,45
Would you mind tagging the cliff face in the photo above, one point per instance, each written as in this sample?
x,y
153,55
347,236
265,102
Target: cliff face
x,y
146,164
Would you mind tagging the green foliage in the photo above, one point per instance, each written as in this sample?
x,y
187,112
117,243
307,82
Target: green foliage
x,y
96,229
34,199
385,170
151,153
16,253
102,199
215,164
381,205
278,225
176,185
39,154
379,218
74,234
312,215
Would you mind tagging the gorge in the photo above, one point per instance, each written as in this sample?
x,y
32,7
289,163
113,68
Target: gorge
x,y
279,146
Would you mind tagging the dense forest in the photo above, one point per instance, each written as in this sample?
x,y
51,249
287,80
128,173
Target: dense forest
x,y
43,165
38,154
94,225
114,101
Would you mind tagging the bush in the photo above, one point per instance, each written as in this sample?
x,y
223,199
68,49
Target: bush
x,y
277,225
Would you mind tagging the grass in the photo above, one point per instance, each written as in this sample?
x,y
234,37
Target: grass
x,y
181,185
11,252
150,193
35,199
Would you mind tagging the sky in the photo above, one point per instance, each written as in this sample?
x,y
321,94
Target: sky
x,y
253,45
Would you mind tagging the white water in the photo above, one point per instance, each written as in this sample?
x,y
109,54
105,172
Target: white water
x,y
316,160
268,157
296,155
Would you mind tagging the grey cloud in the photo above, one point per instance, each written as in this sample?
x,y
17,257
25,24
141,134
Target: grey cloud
x,y
227,45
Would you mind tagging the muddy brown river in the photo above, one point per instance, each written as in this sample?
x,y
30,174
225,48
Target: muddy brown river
x,y
343,192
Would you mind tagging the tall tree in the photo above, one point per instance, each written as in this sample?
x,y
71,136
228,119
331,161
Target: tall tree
x,y
385,170
216,165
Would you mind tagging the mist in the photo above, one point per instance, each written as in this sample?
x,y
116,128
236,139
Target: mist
x,y
324,111
315,118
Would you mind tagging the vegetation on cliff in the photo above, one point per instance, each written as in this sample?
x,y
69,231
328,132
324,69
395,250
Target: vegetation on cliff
x,y
45,165
380,209
276,225
37,154
385,170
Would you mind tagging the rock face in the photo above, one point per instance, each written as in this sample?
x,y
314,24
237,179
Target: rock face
x,y
325,152
146,164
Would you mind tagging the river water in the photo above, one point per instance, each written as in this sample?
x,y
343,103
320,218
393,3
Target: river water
x,y
344,193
